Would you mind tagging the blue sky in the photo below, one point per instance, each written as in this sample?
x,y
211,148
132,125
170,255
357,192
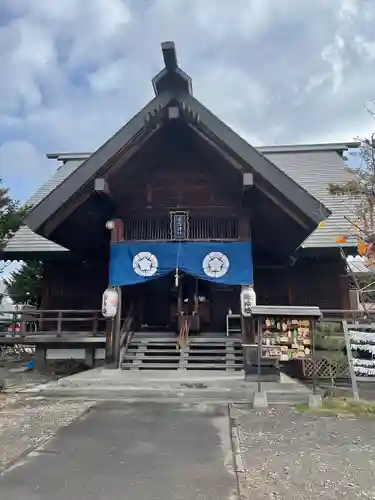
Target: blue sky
x,y
75,71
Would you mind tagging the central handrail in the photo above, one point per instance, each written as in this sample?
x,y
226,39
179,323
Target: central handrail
x,y
184,333
126,333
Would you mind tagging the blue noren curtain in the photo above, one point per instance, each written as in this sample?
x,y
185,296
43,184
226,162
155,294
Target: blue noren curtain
x,y
228,263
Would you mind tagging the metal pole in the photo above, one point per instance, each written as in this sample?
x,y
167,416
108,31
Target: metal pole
x,y
350,362
259,328
312,327
117,330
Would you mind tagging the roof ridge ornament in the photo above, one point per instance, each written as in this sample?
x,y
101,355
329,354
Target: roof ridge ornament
x,y
169,55
171,78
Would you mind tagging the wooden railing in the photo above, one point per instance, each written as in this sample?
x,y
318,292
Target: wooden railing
x,y
126,333
52,322
200,228
338,315
61,322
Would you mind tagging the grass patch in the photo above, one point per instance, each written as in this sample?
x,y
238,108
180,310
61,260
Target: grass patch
x,y
341,406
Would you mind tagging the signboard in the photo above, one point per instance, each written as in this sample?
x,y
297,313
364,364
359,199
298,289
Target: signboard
x,y
179,225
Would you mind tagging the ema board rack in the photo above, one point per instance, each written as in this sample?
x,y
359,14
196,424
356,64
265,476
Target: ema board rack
x,y
285,333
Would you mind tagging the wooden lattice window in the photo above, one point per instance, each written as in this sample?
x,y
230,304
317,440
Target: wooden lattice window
x,y
199,228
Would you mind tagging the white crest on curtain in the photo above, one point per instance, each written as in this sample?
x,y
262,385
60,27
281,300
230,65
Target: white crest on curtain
x,y
145,264
215,264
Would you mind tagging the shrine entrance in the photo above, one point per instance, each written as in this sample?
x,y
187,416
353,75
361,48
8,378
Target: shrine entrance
x,y
158,304
168,280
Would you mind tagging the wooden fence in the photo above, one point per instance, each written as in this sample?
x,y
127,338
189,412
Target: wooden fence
x,y
325,368
57,322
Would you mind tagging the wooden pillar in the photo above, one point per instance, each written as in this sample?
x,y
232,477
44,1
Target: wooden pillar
x,y
40,357
113,347
344,292
244,234
90,356
110,324
117,330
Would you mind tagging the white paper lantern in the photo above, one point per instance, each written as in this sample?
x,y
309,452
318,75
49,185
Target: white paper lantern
x,y
109,303
248,300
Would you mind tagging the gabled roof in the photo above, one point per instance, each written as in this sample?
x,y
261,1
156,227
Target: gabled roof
x,y
173,84
313,167
304,170
25,240
259,163
90,167
315,170
337,147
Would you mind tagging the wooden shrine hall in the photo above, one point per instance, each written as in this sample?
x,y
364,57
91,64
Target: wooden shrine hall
x,y
180,211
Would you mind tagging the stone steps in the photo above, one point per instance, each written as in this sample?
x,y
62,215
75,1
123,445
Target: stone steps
x,y
158,352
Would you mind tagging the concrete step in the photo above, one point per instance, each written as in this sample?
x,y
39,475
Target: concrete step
x,y
187,366
151,353
196,359
148,359
159,396
169,356
192,340
213,366
150,366
167,396
134,349
198,352
162,342
212,348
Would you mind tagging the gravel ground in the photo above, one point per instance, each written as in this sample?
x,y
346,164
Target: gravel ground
x,y
28,423
302,456
16,378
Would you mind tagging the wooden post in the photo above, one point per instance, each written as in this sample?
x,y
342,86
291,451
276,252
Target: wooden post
x,y
110,326
40,322
244,233
117,331
40,357
313,352
259,329
95,328
113,337
59,323
353,376
23,325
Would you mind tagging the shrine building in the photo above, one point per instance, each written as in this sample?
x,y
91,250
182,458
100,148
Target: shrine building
x,y
177,205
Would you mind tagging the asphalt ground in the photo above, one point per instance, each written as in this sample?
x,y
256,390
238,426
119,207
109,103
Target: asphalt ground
x,y
140,451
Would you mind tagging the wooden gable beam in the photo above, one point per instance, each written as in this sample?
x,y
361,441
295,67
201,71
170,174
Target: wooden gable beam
x,y
100,185
214,146
59,217
93,165
277,202
262,166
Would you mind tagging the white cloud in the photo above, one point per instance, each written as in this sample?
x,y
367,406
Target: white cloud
x,y
73,72
348,9
334,54
20,160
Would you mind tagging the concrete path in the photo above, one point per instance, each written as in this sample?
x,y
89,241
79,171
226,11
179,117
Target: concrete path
x,y
174,385
142,451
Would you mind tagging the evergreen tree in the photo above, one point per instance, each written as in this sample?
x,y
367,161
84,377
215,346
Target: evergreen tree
x,y
24,285
11,215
